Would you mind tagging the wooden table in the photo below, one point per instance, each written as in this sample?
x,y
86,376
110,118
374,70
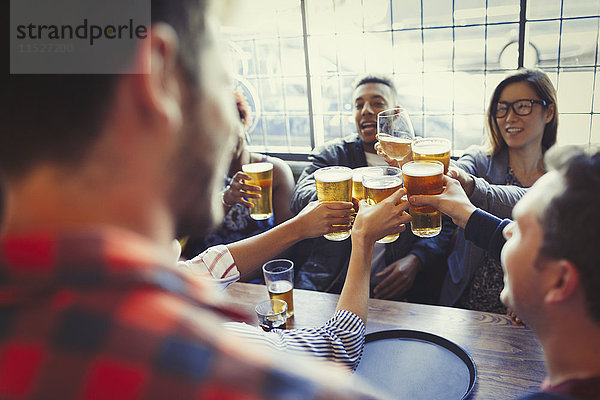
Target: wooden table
x,y
509,358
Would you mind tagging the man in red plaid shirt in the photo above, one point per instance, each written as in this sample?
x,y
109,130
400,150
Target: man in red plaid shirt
x,y
100,171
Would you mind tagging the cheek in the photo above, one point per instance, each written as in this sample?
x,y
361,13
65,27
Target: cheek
x,y
510,259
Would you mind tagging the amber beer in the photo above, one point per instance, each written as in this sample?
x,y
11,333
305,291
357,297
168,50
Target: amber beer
x,y
279,279
358,191
335,184
262,175
424,177
437,149
380,186
282,290
395,147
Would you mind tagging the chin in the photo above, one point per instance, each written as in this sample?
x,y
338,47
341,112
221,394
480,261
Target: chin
x,y
202,214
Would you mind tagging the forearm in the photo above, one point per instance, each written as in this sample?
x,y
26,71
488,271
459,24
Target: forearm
x,y
250,253
340,339
485,231
496,199
355,294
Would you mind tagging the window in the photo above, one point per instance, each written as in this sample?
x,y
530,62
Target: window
x,y
296,61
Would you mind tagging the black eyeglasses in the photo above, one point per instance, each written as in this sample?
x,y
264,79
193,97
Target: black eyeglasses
x,y
520,107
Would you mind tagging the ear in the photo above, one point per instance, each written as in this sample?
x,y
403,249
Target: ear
x,y
550,112
158,89
564,281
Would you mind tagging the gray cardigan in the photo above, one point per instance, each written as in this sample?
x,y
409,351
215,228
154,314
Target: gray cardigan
x,y
492,195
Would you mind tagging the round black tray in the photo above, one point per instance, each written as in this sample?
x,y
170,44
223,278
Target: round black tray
x,y
417,365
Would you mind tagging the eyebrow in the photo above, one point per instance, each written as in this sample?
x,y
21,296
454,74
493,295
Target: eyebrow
x,y
376,96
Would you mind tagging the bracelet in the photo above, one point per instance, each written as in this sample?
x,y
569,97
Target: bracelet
x,y
223,198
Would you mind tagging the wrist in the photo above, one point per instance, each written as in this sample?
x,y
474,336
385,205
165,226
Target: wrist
x,y
360,238
223,201
463,215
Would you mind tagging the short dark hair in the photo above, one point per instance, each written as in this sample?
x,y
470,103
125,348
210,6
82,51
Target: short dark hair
x,y
57,118
570,221
541,84
371,78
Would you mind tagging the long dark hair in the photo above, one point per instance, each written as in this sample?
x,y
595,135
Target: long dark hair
x,y
541,84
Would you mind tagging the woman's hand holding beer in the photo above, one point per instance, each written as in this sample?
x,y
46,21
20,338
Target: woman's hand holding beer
x,y
466,180
385,218
453,201
239,191
317,219
392,162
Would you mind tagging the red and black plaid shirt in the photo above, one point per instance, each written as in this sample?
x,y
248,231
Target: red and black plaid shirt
x,y
94,315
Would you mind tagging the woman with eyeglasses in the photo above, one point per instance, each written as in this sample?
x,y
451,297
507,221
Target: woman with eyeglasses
x,y
522,121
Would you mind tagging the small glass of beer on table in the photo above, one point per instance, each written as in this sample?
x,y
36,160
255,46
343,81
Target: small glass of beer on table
x,y
380,183
272,314
395,133
262,175
424,177
279,279
335,184
437,149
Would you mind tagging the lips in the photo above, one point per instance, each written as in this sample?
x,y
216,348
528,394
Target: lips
x,y
514,131
369,127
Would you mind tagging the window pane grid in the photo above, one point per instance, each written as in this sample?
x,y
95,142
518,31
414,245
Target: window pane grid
x,y
445,57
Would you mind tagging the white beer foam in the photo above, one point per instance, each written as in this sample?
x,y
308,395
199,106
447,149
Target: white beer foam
x,y
333,174
357,173
426,146
423,168
382,182
256,168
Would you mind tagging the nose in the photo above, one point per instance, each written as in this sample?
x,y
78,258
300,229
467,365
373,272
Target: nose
x,y
367,109
511,115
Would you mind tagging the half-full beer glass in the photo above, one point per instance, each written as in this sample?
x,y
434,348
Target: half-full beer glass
x,y
424,177
379,184
437,149
262,175
395,133
335,184
279,278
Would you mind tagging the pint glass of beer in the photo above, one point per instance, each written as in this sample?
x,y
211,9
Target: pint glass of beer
x,y
395,133
279,278
262,175
424,177
437,149
358,191
335,184
379,184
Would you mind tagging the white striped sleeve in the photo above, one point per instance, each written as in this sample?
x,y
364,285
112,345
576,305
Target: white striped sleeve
x,y
341,339
215,262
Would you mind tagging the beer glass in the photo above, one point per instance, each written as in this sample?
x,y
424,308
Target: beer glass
x,y
279,278
379,184
395,133
335,184
262,175
424,177
437,149
272,314
358,191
